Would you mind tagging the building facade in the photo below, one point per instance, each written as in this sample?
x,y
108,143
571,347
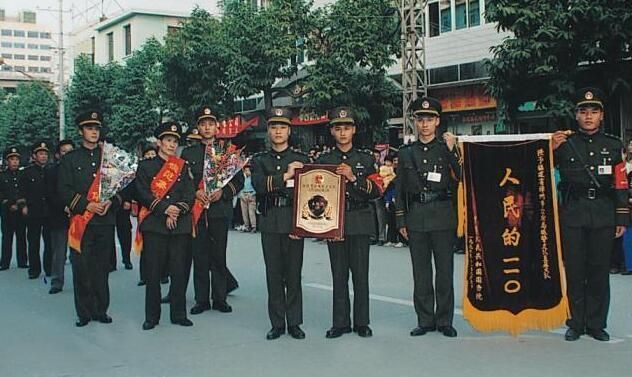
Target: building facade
x,y
27,50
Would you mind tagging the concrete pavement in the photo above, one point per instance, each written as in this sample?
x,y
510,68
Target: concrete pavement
x,y
38,336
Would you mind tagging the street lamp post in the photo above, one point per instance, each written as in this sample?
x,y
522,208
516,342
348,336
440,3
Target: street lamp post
x,y
58,100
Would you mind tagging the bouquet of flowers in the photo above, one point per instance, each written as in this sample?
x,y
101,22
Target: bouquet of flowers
x,y
118,169
221,163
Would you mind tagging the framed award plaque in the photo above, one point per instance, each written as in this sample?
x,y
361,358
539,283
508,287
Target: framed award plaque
x,y
319,202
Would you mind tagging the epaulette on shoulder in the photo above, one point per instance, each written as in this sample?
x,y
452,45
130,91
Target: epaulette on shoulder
x,y
366,151
611,136
298,151
258,154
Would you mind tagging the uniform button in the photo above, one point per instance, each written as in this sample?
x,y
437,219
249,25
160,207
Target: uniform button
x,y
94,175
344,157
425,161
278,167
592,153
572,159
278,157
425,148
592,168
168,197
94,164
590,140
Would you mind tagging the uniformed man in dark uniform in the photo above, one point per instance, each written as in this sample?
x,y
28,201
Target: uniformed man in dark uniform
x,y
352,253
594,210
11,211
273,180
209,245
193,136
36,212
167,225
58,220
90,267
426,217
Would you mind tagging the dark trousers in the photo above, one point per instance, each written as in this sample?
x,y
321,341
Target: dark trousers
x,y
90,271
13,223
425,246
36,229
587,263
124,235
59,248
209,253
352,254
284,262
174,249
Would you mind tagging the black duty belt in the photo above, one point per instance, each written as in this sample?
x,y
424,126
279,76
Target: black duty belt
x,y
351,205
278,201
590,193
427,197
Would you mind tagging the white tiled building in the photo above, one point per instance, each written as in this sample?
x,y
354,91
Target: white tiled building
x,y
26,48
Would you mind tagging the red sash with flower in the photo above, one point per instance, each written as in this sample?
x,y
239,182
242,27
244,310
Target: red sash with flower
x,y
198,208
79,223
160,186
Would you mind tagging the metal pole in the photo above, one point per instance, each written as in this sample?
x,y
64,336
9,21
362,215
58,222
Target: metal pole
x,y
62,126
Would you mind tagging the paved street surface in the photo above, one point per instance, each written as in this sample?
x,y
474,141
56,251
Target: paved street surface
x,y
38,336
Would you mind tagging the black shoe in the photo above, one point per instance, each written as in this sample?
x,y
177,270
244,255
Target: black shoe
x,y
128,266
373,242
364,331
296,332
275,333
380,243
336,332
422,330
33,276
232,288
182,322
627,272
164,280
22,266
103,318
54,290
222,306
148,325
572,335
165,300
112,268
199,308
448,331
2,268
82,322
141,283
600,335
614,270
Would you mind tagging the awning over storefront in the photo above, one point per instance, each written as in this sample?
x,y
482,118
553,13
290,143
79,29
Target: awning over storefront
x,y
231,127
464,98
309,119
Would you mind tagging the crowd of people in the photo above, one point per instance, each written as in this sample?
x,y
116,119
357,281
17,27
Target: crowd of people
x,y
397,198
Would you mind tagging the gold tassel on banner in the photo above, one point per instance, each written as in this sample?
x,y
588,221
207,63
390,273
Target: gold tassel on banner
x,y
461,209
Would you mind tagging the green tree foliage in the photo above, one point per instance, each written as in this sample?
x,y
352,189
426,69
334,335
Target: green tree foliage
x,y
28,115
91,87
138,99
353,42
195,60
557,46
261,43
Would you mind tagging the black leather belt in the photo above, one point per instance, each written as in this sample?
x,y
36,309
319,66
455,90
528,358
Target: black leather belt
x,y
427,197
351,205
590,193
279,201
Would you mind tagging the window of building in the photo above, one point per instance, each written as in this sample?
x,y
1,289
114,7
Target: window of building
x,y
127,32
44,47
475,70
6,44
6,32
45,35
7,68
44,70
439,17
92,49
18,45
7,56
18,68
33,57
19,57
33,34
460,11
19,33
28,17
1,14
33,69
474,13
446,15
110,38
444,74
172,29
32,46
45,58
